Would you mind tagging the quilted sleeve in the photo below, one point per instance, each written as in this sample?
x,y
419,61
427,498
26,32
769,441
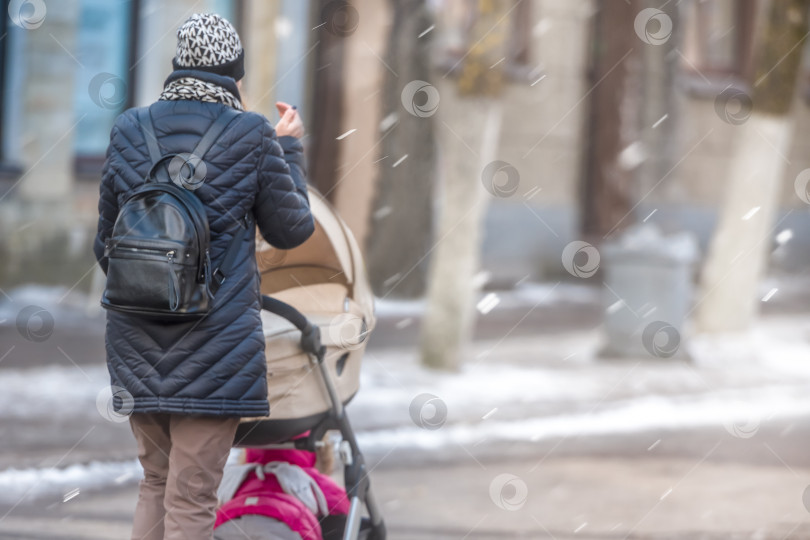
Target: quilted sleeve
x,y
294,156
107,206
282,205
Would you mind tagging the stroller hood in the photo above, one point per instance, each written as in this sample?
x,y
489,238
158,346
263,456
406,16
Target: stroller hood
x,y
330,255
325,280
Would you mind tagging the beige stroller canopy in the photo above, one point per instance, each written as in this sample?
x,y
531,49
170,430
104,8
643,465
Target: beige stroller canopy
x,y
325,280
330,256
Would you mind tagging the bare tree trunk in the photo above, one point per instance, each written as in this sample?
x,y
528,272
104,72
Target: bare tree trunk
x,y
401,220
739,249
468,145
614,121
327,105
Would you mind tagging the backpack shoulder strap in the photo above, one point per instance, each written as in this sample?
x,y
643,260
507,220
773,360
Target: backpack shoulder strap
x,y
205,143
148,129
212,134
145,119
226,265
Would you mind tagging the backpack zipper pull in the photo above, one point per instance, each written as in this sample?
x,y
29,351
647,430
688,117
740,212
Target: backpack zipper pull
x,y
174,284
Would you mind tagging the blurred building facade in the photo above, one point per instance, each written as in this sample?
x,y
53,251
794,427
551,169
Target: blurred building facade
x,y
66,76
68,69
684,192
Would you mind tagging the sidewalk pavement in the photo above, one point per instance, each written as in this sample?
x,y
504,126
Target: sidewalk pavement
x,y
559,498
541,438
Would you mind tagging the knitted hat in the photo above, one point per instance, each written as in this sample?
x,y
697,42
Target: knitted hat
x,y
209,43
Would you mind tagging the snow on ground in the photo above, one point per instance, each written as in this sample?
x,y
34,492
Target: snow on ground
x,y
531,376
19,485
34,483
525,294
56,392
518,389
69,308
740,412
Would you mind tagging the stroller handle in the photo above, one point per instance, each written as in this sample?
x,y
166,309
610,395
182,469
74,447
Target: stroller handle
x,y
285,310
310,333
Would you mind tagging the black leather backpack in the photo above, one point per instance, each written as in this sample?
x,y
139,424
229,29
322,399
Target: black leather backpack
x,y
158,254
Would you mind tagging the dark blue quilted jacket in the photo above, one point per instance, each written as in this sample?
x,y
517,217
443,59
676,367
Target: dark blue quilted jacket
x,y
215,366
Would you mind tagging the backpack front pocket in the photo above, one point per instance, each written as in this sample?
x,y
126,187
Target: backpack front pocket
x,y
150,274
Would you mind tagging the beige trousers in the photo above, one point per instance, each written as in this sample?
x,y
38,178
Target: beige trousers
x,y
183,458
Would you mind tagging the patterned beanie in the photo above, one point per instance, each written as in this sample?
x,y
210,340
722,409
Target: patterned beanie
x,y
209,43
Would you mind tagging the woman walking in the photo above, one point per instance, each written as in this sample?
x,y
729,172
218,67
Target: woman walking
x,y
191,381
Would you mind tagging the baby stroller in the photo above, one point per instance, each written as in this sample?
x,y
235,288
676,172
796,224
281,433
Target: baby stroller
x,y
318,310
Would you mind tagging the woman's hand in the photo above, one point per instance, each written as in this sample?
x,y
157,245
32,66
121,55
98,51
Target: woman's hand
x,y
290,123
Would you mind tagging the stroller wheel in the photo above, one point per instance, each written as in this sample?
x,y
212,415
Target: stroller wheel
x,y
376,532
333,528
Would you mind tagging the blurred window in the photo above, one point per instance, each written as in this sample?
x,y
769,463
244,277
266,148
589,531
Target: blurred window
x,y
717,43
9,88
104,86
104,45
228,9
457,18
104,52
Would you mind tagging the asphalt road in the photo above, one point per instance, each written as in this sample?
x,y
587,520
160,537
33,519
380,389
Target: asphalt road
x,y
662,484
692,484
